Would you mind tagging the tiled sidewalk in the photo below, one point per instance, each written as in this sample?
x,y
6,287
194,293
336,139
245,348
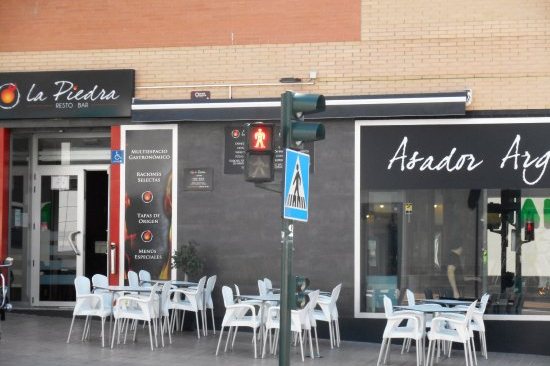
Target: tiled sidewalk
x,y
35,340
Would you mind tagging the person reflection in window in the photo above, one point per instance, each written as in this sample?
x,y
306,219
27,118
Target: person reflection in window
x,y
455,272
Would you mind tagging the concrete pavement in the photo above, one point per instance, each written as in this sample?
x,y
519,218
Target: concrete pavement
x,y
38,340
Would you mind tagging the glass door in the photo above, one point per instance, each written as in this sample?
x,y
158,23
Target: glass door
x,y
58,231
63,166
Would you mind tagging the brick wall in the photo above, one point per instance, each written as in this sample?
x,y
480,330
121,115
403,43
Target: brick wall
x,y
115,24
498,48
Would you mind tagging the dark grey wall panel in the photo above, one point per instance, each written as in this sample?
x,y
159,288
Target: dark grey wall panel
x,y
238,225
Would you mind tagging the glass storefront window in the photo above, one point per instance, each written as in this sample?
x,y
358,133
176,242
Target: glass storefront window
x,y
421,227
71,151
457,243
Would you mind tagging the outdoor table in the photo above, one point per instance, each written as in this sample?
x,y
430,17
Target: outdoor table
x,y
447,302
184,284
425,308
175,283
124,288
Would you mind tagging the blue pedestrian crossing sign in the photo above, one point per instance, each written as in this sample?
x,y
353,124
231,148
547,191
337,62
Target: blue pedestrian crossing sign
x,y
296,194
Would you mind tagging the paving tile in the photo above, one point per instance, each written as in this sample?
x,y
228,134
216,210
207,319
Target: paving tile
x,y
41,340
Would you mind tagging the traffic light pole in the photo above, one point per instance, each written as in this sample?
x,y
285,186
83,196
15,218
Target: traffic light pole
x,y
294,132
286,282
287,249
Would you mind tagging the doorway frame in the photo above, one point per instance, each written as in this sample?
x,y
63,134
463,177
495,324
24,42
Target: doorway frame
x,y
37,171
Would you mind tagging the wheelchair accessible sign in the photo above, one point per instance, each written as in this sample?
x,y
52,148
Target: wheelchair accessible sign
x,y
296,194
117,156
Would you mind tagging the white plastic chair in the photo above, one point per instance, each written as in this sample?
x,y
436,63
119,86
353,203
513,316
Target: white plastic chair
x,y
313,299
130,307
144,278
306,317
133,279
209,303
257,303
250,302
427,318
450,328
164,315
329,314
268,285
236,316
102,281
88,305
478,325
273,323
262,288
193,301
4,304
4,287
414,329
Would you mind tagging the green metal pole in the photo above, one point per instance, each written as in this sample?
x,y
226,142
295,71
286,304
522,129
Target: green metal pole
x,y
287,240
286,275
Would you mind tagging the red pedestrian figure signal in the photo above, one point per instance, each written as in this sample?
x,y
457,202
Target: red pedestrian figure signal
x,y
260,137
258,161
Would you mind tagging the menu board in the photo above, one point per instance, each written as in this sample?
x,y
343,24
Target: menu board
x,y
235,150
148,201
197,179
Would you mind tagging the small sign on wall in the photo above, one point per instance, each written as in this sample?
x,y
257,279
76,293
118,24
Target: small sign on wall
x,y
200,95
117,156
60,182
197,179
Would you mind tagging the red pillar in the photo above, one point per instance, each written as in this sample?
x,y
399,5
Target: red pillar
x,y
4,191
114,206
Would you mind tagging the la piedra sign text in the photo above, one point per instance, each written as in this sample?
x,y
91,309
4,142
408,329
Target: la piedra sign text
x,y
68,95
103,93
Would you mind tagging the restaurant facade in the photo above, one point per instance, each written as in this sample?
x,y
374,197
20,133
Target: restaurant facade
x,y
432,176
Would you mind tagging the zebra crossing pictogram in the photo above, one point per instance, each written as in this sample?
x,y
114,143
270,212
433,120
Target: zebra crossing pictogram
x,y
296,197
296,192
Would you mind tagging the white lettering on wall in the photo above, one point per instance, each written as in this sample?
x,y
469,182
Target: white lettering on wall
x,y
449,162
539,163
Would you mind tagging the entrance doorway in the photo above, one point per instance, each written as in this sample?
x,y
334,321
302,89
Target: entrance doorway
x,y
96,198
69,219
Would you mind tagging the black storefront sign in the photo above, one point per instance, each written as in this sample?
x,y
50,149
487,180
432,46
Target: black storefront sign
x,y
455,156
148,201
235,150
66,94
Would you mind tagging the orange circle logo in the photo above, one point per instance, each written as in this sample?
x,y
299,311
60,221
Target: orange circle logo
x,y
147,236
9,96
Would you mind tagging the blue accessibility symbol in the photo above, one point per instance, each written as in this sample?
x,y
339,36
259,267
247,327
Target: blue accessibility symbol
x,y
117,156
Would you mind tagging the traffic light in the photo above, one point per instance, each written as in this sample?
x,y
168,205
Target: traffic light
x,y
258,162
300,299
529,230
494,220
293,128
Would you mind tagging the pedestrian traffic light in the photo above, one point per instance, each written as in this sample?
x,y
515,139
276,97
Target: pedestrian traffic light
x,y
529,230
258,162
300,299
293,128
